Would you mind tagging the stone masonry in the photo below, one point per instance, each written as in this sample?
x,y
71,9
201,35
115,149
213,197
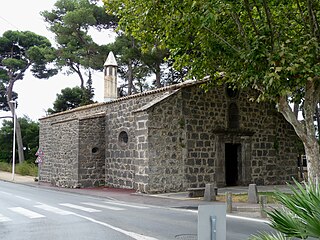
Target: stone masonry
x,y
169,139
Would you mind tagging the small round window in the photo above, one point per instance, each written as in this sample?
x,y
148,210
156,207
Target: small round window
x,y
95,150
123,137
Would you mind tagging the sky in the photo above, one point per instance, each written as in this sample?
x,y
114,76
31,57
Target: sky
x,y
35,96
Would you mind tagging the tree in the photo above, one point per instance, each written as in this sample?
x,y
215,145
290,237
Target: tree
x,y
20,51
30,133
30,137
154,58
6,138
270,46
3,96
130,66
70,98
70,21
135,65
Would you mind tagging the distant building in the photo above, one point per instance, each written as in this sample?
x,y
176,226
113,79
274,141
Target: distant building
x,y
168,139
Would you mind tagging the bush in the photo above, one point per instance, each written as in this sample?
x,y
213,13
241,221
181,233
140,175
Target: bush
x,y
5,167
300,217
25,168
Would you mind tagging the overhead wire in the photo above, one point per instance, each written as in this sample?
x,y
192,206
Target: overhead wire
x,y
10,23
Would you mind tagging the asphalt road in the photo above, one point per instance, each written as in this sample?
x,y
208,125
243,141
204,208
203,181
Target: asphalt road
x,y
30,213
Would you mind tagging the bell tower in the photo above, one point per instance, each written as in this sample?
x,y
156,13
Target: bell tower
x,y
110,78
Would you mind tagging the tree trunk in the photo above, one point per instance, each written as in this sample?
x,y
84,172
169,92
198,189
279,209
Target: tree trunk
x,y
76,68
158,76
296,109
305,129
19,141
313,159
318,121
130,77
18,134
18,129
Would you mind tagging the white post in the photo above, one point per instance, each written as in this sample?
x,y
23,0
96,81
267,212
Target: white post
x,y
14,138
212,222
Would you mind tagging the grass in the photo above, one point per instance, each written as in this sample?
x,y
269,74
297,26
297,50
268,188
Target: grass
x,y
24,169
5,167
243,198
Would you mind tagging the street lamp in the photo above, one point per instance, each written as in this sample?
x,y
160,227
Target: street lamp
x,y
14,137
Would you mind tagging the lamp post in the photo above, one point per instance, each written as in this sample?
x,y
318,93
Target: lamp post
x,y
14,138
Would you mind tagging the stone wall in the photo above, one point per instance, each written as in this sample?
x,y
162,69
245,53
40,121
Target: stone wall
x,y
64,151
76,131
168,140
141,158
166,145
265,140
286,145
59,140
92,151
123,158
202,113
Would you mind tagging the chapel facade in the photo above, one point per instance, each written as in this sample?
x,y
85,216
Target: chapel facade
x,y
167,140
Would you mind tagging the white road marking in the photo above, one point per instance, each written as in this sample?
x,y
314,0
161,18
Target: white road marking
x,y
127,205
228,216
4,218
23,198
79,207
10,194
26,212
103,206
133,235
248,219
53,209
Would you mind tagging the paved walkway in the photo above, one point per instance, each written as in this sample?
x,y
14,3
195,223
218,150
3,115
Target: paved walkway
x,y
173,200
6,176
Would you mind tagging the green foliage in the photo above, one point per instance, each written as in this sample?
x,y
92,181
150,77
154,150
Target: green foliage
x,y
131,68
135,65
70,98
21,50
88,92
70,21
270,46
30,139
6,136
300,217
4,166
265,45
24,169
3,91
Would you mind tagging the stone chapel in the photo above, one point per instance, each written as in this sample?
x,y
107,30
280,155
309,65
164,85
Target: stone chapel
x,y
167,140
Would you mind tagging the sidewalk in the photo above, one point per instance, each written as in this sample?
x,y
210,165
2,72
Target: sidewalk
x,y
172,200
6,176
